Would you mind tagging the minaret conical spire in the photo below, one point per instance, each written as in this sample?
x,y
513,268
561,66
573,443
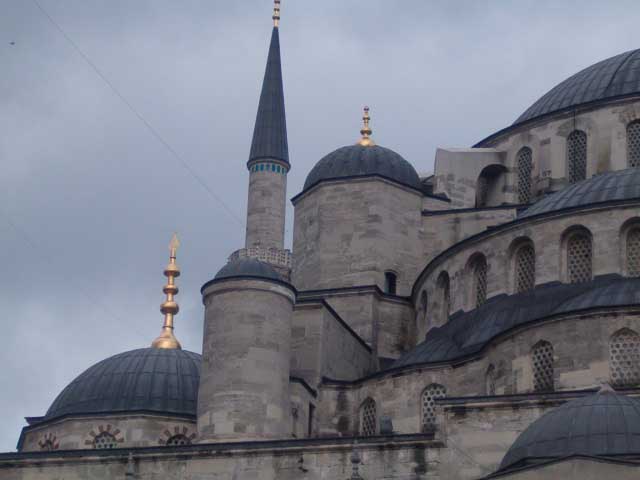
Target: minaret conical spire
x,y
270,132
169,307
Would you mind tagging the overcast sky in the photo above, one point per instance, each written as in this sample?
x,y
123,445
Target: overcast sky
x,y
89,197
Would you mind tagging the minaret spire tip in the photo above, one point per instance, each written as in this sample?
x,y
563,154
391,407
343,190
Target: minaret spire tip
x,y
366,140
276,13
169,307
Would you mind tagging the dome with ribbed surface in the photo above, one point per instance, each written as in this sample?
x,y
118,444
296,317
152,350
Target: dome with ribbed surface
x,y
601,425
619,185
147,379
247,267
615,77
360,161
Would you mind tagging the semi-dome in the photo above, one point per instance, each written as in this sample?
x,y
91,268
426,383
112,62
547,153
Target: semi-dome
x,y
247,267
148,379
618,185
358,161
602,425
613,78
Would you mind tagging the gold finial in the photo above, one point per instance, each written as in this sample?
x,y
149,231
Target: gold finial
x,y
276,13
169,307
366,140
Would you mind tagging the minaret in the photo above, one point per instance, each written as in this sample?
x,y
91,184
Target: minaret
x,y
269,157
169,307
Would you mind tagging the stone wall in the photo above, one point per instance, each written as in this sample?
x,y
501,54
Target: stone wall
x,y
246,355
349,233
606,224
398,393
132,430
393,458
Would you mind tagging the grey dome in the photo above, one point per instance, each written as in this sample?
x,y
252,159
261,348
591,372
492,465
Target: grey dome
x,y
247,267
611,186
357,160
612,78
147,379
604,424
467,333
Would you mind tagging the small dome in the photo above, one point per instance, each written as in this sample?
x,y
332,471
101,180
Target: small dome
x,y
247,267
357,160
611,186
603,424
615,77
147,379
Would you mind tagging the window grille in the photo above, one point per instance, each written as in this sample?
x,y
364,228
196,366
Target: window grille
x,y
178,439
624,358
525,268
633,252
490,380
368,419
633,144
577,156
105,440
542,358
429,397
524,163
579,258
480,280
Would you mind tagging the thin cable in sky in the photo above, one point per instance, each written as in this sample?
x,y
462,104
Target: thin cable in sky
x,y
149,127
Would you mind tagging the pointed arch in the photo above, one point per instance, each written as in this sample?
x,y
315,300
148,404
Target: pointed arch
x,y
429,408
577,156
368,418
542,362
524,166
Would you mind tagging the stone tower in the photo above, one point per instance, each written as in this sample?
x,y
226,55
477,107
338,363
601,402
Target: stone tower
x,y
244,382
268,166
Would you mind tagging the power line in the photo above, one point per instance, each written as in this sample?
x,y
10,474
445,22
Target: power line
x,y
144,121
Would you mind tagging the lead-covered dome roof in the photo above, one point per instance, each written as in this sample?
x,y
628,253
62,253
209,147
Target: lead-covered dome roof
x,y
601,425
148,379
359,161
615,77
618,185
248,267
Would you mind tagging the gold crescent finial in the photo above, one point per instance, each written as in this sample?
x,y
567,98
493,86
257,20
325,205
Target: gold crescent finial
x,y
276,13
169,307
366,140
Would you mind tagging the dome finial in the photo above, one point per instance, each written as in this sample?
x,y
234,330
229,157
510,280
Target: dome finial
x,y
276,13
169,307
366,131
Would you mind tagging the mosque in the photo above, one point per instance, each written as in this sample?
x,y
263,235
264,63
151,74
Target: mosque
x,y
482,322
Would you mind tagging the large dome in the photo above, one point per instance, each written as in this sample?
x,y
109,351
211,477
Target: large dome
x,y
619,185
147,379
612,78
604,424
359,161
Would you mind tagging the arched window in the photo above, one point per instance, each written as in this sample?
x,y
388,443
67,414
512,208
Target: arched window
x,y
524,164
105,440
479,278
444,293
390,282
542,360
368,418
490,185
525,268
490,380
577,156
633,251
429,397
624,358
579,257
633,144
